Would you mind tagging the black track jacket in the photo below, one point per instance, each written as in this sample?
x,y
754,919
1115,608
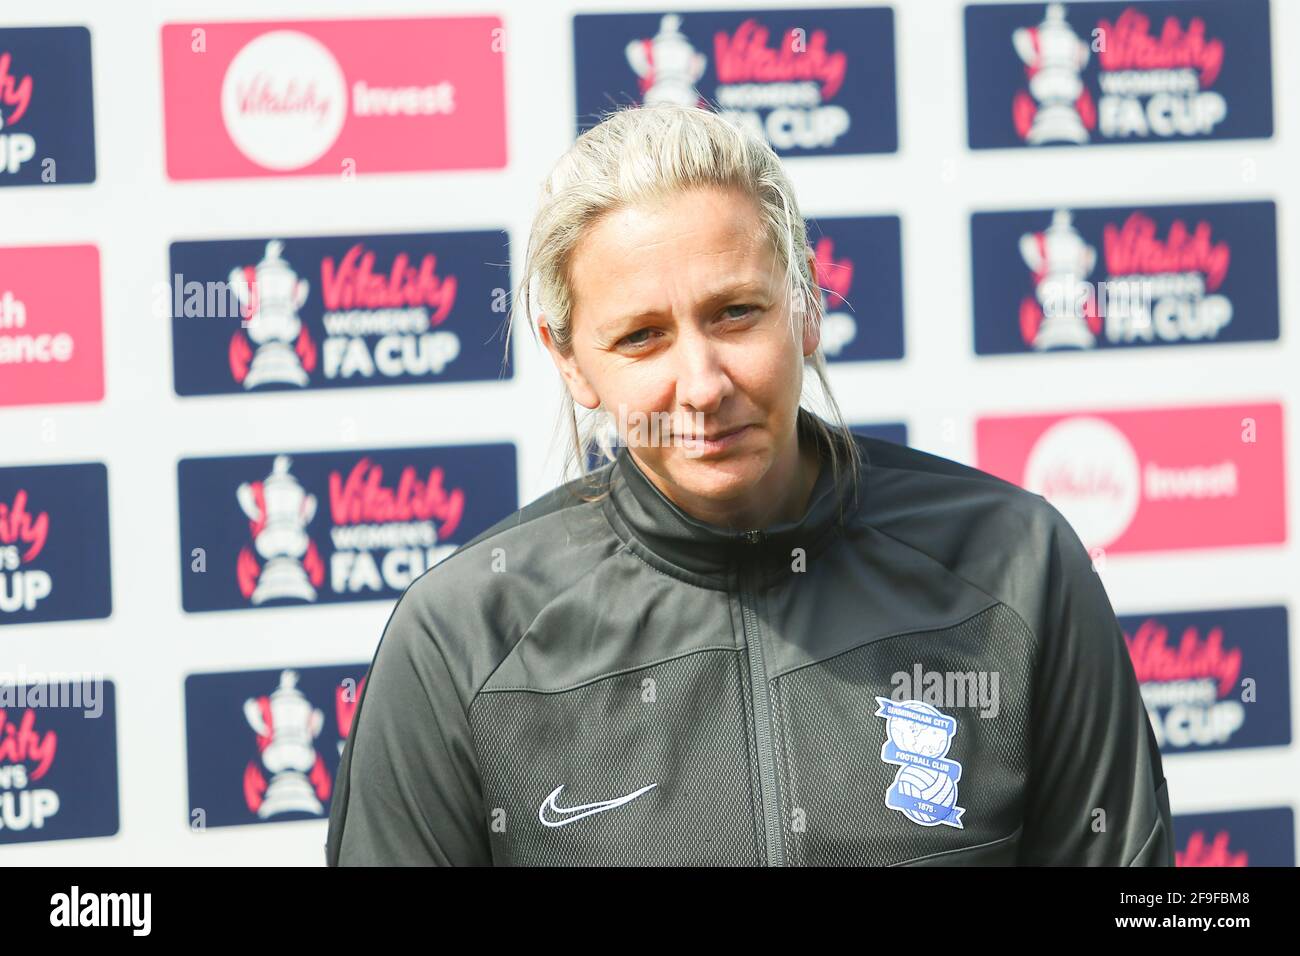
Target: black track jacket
x,y
939,679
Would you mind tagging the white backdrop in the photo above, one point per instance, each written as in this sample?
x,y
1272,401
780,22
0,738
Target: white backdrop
x,y
141,428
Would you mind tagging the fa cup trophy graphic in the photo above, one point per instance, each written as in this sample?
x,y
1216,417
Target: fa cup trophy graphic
x,y
270,295
668,65
279,510
287,726
1054,57
1061,261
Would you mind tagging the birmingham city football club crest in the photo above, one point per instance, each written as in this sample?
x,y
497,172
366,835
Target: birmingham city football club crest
x,y
916,739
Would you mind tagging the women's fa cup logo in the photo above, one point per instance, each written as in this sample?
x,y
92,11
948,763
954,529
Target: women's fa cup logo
x,y
1066,313
1061,110
270,295
279,510
668,65
835,278
287,726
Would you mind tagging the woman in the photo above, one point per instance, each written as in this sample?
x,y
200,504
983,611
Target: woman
x,y
753,637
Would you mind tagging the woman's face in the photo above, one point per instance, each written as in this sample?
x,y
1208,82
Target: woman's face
x,y
681,329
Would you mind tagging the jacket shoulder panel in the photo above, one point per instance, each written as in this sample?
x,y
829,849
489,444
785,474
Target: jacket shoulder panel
x,y
1093,748
990,532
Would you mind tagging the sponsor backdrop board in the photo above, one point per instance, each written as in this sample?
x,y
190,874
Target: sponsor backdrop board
x,y
255,264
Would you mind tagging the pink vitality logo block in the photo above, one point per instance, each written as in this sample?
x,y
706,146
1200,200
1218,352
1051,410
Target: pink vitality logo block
x,y
51,325
333,97
1150,479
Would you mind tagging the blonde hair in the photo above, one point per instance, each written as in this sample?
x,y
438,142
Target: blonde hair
x,y
648,154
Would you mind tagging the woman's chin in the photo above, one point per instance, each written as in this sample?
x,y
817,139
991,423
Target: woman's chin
x,y
717,479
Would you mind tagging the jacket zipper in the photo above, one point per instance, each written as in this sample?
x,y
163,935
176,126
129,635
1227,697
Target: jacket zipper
x,y
763,724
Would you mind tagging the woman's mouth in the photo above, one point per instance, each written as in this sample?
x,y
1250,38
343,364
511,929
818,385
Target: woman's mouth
x,y
719,441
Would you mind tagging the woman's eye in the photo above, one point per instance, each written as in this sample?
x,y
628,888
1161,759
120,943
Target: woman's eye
x,y
633,340
643,336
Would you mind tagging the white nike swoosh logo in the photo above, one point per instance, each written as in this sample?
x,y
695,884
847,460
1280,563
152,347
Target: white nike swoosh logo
x,y
571,814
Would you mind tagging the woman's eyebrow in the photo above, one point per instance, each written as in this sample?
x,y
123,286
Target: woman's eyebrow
x,y
748,287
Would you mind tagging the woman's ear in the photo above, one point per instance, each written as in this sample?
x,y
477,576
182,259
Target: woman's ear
x,y
574,380
812,326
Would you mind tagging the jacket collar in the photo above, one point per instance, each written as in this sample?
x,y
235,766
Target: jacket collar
x,y
665,536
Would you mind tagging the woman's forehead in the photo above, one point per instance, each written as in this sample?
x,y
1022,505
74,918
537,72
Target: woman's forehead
x,y
695,238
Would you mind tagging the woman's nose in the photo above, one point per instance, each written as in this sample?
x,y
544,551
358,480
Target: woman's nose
x,y
702,379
